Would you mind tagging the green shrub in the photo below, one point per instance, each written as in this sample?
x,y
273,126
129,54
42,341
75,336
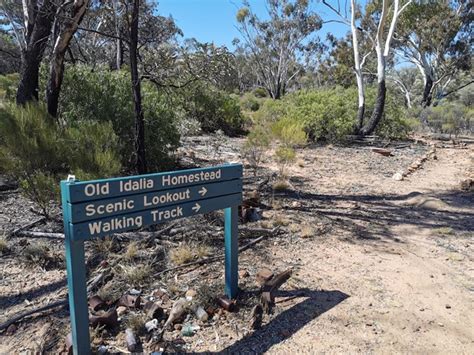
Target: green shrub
x,y
214,109
8,86
260,92
105,96
289,134
249,102
257,143
450,118
39,153
330,114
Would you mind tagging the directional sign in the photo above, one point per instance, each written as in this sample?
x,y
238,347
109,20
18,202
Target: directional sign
x,y
93,209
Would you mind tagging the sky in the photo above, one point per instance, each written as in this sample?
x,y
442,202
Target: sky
x,y
214,20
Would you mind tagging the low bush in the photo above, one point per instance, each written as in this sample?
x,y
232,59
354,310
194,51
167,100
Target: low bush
x,y
450,118
330,114
8,86
39,153
105,96
257,143
249,102
214,109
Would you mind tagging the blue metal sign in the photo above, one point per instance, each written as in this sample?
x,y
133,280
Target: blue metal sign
x,y
97,208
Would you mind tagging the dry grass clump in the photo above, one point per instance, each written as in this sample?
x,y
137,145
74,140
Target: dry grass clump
x,y
136,322
36,254
443,231
186,253
281,185
3,246
105,245
280,221
202,251
300,163
131,252
135,274
307,231
112,291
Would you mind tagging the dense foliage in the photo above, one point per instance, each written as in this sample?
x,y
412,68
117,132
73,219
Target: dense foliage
x,y
330,114
39,153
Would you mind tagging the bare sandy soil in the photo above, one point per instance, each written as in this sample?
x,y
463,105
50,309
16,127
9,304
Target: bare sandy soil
x,y
386,268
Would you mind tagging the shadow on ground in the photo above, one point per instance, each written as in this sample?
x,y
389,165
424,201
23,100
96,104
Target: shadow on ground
x,y
372,217
288,322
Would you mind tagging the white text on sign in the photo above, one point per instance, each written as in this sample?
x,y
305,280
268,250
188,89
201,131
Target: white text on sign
x,y
103,189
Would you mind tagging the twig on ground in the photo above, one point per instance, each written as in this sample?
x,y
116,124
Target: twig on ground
x,y
59,303
27,226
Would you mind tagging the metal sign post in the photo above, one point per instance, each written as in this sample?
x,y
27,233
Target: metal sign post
x,y
97,208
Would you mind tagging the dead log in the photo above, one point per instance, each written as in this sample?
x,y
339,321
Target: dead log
x,y
45,235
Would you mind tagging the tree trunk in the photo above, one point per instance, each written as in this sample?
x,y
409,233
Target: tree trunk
x,y
32,55
56,70
427,92
361,101
139,157
118,41
377,114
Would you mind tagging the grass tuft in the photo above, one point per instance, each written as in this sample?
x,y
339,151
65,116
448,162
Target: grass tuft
x,y
281,185
4,246
136,322
131,252
36,254
307,231
181,254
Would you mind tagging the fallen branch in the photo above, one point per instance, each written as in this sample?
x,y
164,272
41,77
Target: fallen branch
x,y
47,235
27,226
60,303
160,232
19,317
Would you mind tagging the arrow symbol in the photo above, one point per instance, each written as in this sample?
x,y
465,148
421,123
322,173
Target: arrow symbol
x,y
196,207
203,191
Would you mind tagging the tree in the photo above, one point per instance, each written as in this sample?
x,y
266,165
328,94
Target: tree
x,y
30,21
436,36
68,19
383,44
277,44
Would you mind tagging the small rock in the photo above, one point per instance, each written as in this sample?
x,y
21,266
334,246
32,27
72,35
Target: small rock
x,y
121,310
135,292
397,176
448,306
102,349
190,294
201,314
